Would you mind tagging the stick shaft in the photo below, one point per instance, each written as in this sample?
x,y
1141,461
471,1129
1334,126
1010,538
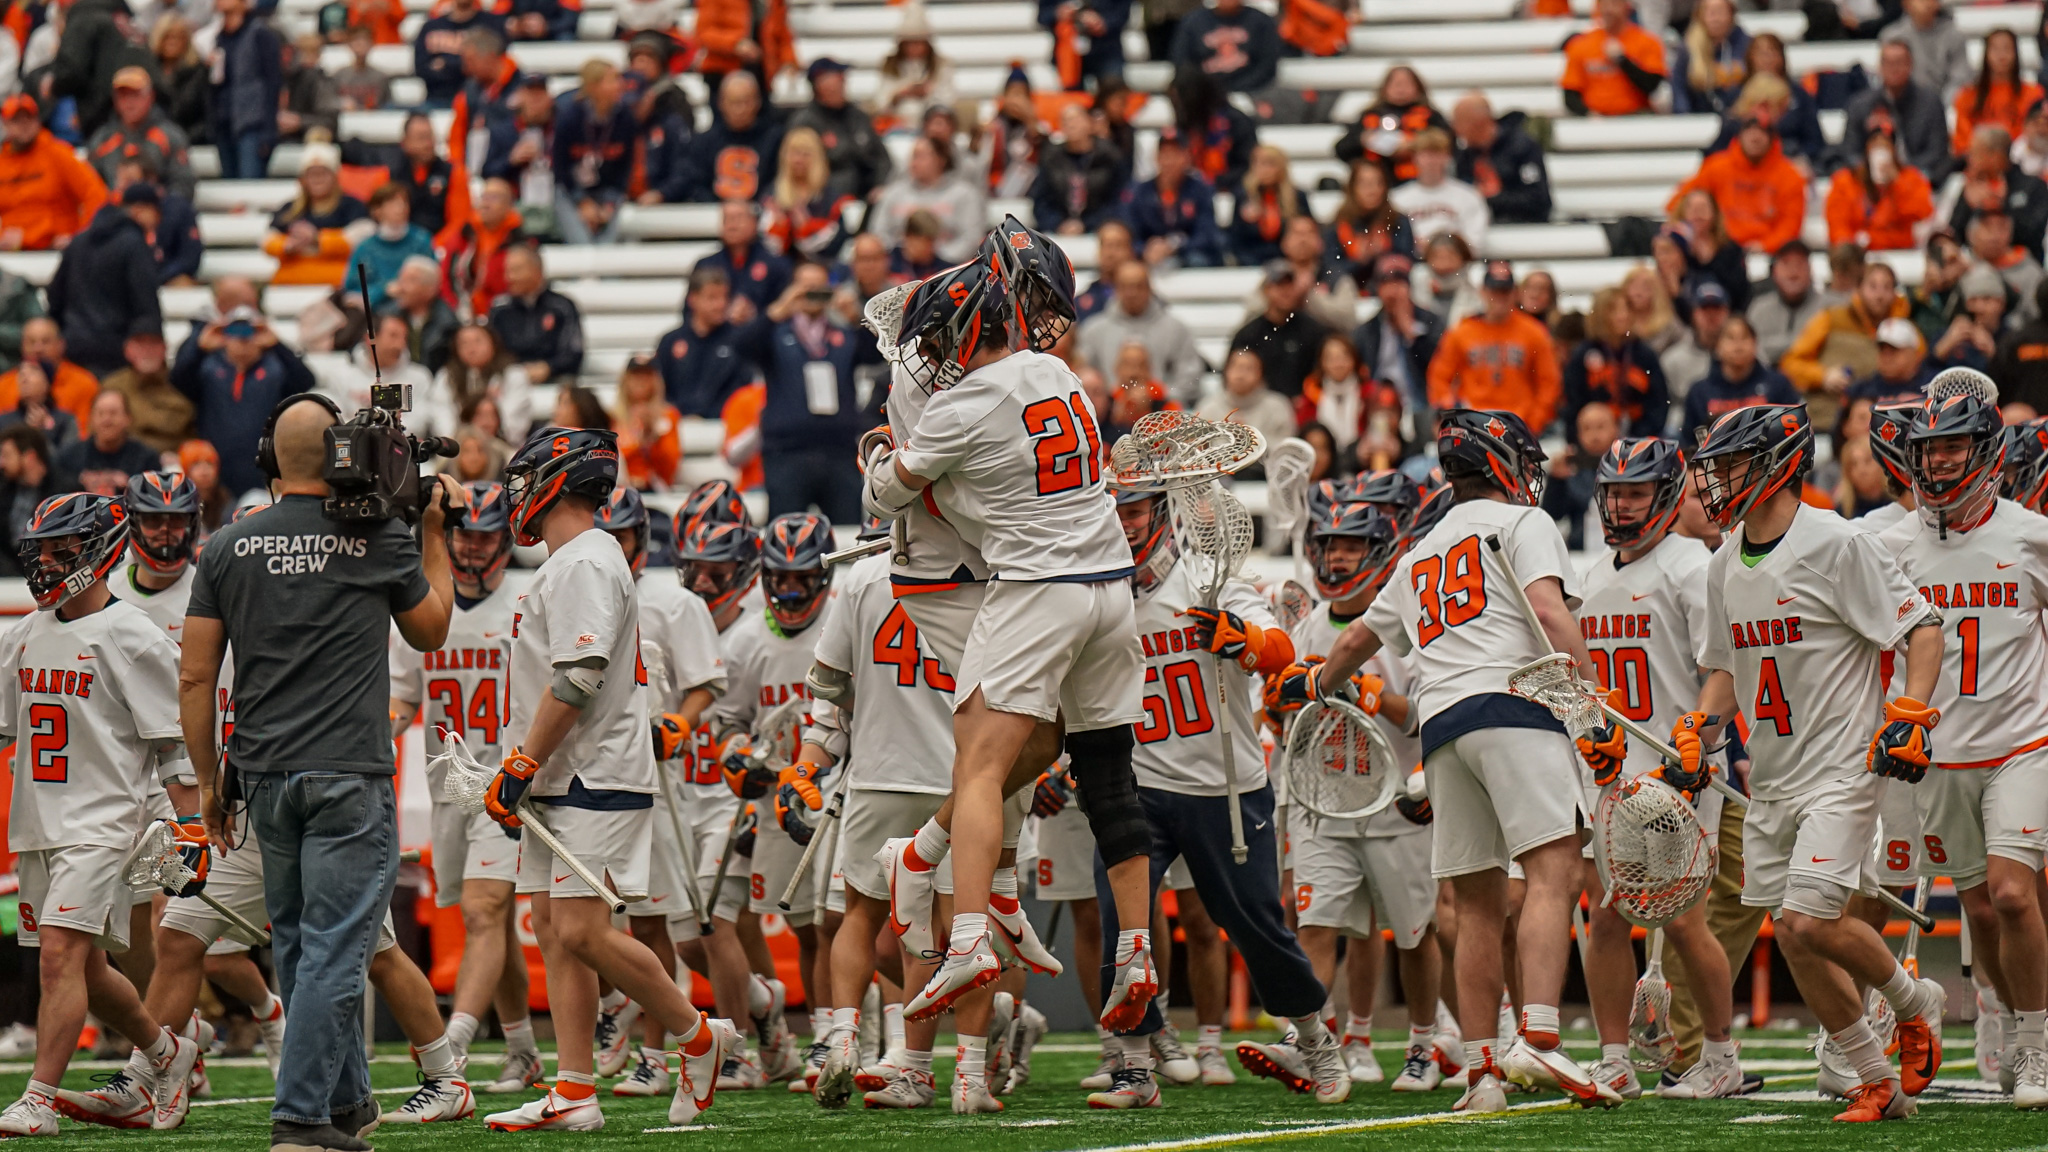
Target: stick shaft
x,y
261,935
686,851
531,821
856,552
803,864
732,835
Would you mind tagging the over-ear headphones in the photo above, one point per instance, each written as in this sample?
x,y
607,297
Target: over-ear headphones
x,y
266,445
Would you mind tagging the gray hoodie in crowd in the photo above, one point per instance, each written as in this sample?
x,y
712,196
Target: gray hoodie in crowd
x,y
1941,57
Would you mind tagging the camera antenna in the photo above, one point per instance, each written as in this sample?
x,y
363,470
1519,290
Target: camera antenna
x,y
369,325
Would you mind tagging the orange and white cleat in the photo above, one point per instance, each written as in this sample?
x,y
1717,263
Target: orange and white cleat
x,y
1884,1100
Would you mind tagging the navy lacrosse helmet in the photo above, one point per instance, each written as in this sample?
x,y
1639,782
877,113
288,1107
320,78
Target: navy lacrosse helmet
x,y
719,562
793,549
1495,446
489,514
1748,455
1038,279
625,512
557,462
1889,425
163,494
96,528
1436,501
1951,491
1391,491
2026,464
714,502
1640,460
873,528
1354,520
948,318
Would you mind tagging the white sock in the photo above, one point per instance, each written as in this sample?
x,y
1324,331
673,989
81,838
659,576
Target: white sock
x,y
922,1061
437,1060
1359,1026
462,1029
1211,1036
1421,1036
968,929
845,1020
519,1036
1718,1049
1128,942
933,842
1137,1051
1107,1039
612,1003
159,1050
1540,1018
1004,882
1309,1030
1614,1052
2030,1029
269,1008
1903,993
1865,1052
821,1023
1478,1055
39,1089
892,1027
972,1058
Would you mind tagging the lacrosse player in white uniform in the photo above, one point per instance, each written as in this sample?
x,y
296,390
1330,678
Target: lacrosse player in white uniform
x,y
1011,458
1644,619
1800,608
579,714
1502,775
1356,876
1901,847
1983,562
92,709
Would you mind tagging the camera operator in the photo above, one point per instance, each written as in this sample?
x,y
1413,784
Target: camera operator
x,y
304,600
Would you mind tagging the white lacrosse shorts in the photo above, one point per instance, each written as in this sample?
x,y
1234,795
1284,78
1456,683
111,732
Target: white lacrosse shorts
x,y
870,819
1824,834
77,887
467,846
1066,856
616,845
1969,814
1341,881
1051,649
1497,793
944,618
775,861
1901,850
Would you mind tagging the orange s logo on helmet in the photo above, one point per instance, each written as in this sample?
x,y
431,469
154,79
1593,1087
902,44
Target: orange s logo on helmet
x,y
1020,240
1791,422
957,292
1496,427
560,446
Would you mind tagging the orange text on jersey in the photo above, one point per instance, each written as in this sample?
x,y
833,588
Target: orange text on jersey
x,y
773,694
458,659
1626,626
1978,594
56,682
1173,640
1765,633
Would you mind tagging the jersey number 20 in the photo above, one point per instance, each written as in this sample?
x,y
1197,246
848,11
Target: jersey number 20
x,y
1064,437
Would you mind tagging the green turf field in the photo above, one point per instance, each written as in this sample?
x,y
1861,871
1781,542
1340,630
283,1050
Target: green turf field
x,y
1051,1115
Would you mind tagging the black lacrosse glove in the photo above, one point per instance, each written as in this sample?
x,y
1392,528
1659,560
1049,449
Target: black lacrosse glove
x,y
743,844
1415,811
1049,798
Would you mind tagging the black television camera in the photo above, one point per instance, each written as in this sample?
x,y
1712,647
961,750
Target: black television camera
x,y
373,463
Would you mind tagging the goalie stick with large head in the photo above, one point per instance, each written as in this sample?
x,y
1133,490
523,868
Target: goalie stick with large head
x,y
1338,763
1288,464
1654,859
467,780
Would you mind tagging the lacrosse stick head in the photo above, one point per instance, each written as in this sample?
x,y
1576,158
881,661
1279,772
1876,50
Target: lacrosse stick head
x,y
1339,765
777,733
465,779
1288,464
1211,523
1951,382
154,859
1291,603
883,315
1654,858
1554,683
1651,1043
1170,448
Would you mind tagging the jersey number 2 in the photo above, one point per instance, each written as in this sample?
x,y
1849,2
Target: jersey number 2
x,y
1064,437
1450,588
49,731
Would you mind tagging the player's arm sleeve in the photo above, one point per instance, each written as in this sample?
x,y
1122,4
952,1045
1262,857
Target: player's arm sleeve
x,y
836,643
408,674
1538,549
1389,612
585,622
1873,596
694,656
940,442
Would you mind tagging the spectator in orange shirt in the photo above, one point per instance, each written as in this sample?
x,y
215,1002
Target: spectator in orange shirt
x,y
650,436
1761,194
1876,202
71,388
1499,359
47,194
1612,68
2000,96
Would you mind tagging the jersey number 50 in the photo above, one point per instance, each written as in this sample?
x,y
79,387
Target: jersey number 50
x,y
1064,437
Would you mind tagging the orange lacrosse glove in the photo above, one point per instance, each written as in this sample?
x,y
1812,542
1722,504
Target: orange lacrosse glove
x,y
189,834
1604,749
508,788
1901,748
671,735
799,776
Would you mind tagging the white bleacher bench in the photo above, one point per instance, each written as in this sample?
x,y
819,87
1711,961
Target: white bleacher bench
x,y
598,261
594,297
670,221
945,19
261,196
1640,167
1546,242
1608,201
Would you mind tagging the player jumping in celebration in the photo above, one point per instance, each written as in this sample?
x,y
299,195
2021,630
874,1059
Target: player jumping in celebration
x,y
1984,563
93,713
1801,606
1643,617
1502,774
579,712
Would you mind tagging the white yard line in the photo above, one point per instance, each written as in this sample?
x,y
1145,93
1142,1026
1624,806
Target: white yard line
x,y
1232,1139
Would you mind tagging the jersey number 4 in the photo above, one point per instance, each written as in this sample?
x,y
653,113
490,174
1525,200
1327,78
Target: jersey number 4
x,y
1067,444
1771,706
480,718
1450,588
896,645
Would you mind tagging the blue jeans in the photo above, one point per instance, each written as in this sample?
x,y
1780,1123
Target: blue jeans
x,y
330,862
246,157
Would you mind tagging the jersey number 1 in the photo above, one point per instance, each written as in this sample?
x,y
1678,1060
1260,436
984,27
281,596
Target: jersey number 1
x,y
1064,437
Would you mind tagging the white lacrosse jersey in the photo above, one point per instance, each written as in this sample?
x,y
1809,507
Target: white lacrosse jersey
x,y
1802,632
464,686
1313,637
679,642
1644,624
927,550
581,603
902,719
1991,585
1015,448
763,668
1449,609
166,609
1178,749
87,702
1878,520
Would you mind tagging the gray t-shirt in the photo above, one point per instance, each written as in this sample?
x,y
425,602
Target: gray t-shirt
x,y
307,605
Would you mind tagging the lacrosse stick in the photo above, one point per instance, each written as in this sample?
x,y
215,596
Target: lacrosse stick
x,y
1581,936
858,551
1338,764
468,782
155,860
773,731
1292,604
883,315
1171,448
1654,859
1952,382
686,848
1288,464
1211,523
828,821
1651,1042
1910,957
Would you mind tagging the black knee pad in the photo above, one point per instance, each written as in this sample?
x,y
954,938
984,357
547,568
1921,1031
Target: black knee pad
x,y
1100,760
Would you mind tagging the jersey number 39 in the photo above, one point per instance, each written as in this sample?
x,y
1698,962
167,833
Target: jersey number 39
x,y
1451,589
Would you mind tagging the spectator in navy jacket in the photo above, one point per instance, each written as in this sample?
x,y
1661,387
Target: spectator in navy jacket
x,y
1079,181
1737,380
735,159
705,360
1173,215
593,157
248,82
419,169
234,372
539,326
168,223
1235,43
437,52
490,78
1098,23
541,19
756,274
1499,159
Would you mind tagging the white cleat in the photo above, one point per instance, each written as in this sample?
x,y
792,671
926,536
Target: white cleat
x,y
1707,1079
910,897
120,1101
814,1061
1360,1062
1129,1088
1419,1072
1175,1065
1017,941
1484,1096
972,1095
18,1042
1534,1067
171,1084
1137,982
273,1038
1283,1061
741,1074
1002,1024
615,1038
1990,1029
961,973
202,1033
1620,1075
767,1003
1215,1069
649,1076
435,1101
1325,1060
517,1072
2029,1078
1031,1028
1112,1063
1834,1076
835,1078
909,1088
698,1084
550,1113
32,1115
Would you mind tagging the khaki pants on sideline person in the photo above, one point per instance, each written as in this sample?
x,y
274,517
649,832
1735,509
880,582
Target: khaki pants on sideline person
x,y
1733,924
